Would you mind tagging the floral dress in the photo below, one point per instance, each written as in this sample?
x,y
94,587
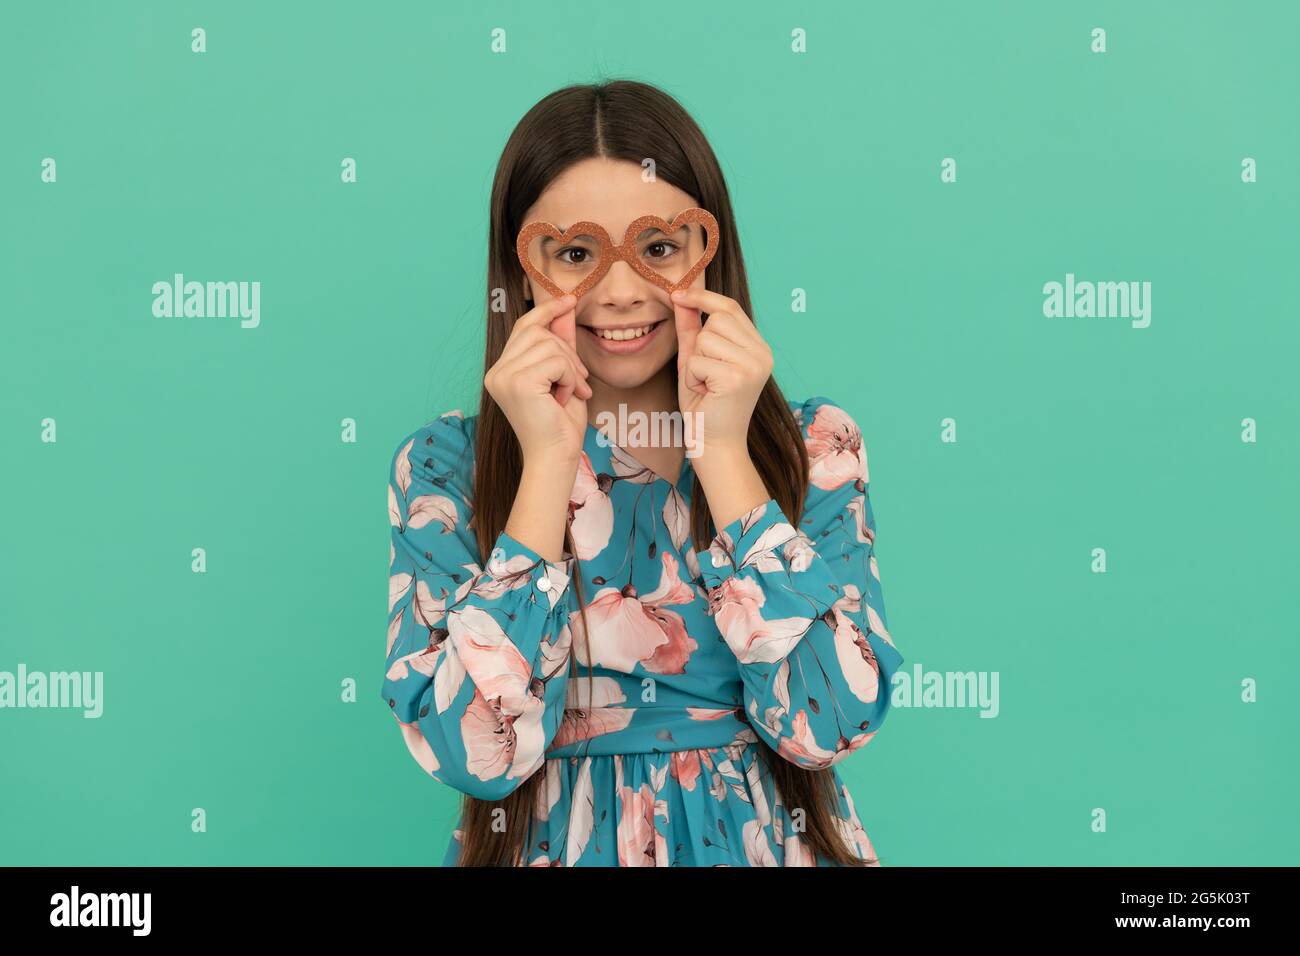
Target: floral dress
x,y
774,636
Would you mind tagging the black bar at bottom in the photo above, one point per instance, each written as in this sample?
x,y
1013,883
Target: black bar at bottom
x,y
509,906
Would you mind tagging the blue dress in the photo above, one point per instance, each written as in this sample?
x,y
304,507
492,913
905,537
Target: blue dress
x,y
774,635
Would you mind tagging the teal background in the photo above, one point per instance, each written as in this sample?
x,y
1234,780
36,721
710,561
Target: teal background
x,y
1119,690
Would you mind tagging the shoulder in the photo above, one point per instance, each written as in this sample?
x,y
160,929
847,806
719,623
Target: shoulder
x,y
441,444
837,452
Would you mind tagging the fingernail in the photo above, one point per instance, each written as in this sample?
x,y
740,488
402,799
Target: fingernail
x,y
568,299
678,295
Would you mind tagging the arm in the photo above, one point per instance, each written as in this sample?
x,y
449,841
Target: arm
x,y
477,655
802,610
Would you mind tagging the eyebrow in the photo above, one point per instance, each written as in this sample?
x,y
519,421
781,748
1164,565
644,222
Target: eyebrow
x,y
548,240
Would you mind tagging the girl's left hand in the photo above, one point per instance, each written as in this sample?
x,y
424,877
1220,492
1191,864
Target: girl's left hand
x,y
722,366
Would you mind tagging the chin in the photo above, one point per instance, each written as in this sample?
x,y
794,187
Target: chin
x,y
630,371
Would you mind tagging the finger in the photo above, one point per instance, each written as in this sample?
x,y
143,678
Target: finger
x,y
700,298
582,391
688,324
564,331
533,342
554,370
566,327
705,375
551,349
554,342
551,341
542,315
581,387
709,343
538,318
735,329
578,363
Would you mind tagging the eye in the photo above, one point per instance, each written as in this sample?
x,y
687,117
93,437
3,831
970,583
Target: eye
x,y
661,249
574,256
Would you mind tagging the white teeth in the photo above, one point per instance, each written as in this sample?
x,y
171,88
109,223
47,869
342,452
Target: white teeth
x,y
621,335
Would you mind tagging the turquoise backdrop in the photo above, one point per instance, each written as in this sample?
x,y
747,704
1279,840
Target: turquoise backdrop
x,y
1162,691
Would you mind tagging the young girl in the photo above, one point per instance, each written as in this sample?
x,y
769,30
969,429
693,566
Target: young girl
x,y
725,604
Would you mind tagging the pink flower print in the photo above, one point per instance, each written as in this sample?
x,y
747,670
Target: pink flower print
x,y
797,852
502,726
685,767
853,832
636,826
501,743
394,510
425,661
758,851
591,512
799,552
762,553
418,744
737,604
858,508
852,601
627,630
835,450
801,747
709,713
852,649
432,509
587,716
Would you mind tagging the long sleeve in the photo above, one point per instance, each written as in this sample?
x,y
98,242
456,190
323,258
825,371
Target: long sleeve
x,y
802,610
477,655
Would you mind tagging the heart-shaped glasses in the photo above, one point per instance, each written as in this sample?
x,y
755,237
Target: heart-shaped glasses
x,y
669,254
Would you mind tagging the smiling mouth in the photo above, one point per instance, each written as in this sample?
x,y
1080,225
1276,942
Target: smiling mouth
x,y
623,340
622,335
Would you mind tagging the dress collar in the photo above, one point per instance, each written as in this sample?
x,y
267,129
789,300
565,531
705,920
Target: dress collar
x,y
612,459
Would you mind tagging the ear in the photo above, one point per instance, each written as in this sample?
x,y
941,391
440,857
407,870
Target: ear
x,y
528,290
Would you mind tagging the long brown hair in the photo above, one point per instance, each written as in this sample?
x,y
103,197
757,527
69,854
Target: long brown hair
x,y
626,120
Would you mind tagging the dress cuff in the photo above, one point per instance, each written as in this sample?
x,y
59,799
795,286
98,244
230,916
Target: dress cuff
x,y
514,562
755,539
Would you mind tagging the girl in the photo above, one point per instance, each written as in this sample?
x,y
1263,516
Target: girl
x,y
725,605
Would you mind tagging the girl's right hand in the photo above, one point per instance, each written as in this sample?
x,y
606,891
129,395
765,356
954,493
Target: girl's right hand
x,y
550,425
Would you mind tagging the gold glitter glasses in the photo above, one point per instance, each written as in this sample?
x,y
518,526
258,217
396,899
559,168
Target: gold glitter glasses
x,y
573,260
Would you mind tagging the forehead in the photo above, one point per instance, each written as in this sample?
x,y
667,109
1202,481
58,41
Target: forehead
x,y
610,192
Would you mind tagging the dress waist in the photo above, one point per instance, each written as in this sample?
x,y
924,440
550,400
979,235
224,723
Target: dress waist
x,y
622,730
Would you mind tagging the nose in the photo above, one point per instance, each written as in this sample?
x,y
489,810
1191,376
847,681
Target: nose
x,y
622,287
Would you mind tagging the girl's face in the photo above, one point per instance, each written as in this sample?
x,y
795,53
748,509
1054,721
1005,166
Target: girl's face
x,y
623,303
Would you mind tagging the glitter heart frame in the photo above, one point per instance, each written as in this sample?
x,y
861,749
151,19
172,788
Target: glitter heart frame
x,y
626,250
